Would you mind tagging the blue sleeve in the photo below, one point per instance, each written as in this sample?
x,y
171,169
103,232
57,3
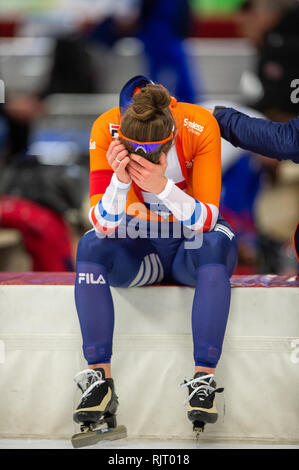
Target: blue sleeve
x,y
272,139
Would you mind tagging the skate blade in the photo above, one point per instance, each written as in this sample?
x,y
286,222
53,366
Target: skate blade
x,y
198,433
90,438
198,428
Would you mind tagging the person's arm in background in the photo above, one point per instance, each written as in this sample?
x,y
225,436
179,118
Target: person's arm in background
x,y
268,138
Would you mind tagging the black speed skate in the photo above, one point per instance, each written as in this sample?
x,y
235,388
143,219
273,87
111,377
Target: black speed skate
x,y
201,406
96,409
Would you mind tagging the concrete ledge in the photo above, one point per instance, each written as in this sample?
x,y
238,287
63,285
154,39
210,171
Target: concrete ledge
x,y
41,352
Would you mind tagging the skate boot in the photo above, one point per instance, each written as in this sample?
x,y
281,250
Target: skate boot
x,y
96,409
201,406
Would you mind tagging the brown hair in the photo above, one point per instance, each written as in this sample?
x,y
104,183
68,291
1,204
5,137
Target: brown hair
x,y
149,119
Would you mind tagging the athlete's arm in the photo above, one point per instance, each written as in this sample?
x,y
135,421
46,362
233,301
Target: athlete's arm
x,y
109,180
272,139
206,173
107,214
199,213
194,214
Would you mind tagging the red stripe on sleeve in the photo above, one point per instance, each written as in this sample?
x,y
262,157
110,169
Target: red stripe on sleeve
x,y
93,217
98,226
208,221
137,191
182,185
99,181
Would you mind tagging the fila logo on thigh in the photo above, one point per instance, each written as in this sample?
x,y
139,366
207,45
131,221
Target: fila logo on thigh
x,y
89,278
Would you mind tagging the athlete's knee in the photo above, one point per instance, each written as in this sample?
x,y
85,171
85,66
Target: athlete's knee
x,y
83,249
93,249
215,248
217,241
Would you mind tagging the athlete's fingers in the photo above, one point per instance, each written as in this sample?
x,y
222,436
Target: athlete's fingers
x,y
117,150
114,148
142,161
142,173
134,175
118,157
135,166
113,144
124,162
116,166
135,180
120,167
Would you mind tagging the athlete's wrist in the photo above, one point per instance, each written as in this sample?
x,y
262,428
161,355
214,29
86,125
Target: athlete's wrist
x,y
167,189
161,186
121,183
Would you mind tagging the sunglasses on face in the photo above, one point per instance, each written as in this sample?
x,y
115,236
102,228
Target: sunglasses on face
x,y
146,147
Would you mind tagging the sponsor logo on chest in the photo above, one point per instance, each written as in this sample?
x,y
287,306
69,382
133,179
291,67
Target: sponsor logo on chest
x,y
193,127
113,128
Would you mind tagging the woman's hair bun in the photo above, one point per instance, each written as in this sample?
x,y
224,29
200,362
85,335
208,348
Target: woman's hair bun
x,y
152,100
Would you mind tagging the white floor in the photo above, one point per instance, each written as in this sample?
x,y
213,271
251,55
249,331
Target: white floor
x,y
136,444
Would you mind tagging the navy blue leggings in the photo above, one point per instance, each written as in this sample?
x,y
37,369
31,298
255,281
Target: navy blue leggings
x,y
205,261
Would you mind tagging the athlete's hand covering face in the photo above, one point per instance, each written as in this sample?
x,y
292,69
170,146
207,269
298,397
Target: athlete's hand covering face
x,y
118,158
147,175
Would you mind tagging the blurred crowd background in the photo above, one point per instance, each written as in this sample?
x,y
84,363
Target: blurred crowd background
x,y
63,63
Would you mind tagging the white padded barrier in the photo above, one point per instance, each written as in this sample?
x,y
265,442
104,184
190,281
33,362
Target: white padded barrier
x,y
40,352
